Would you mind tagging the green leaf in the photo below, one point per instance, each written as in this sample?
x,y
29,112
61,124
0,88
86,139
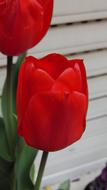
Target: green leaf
x,y
32,172
15,72
65,185
20,61
6,174
10,123
4,149
8,103
25,157
7,112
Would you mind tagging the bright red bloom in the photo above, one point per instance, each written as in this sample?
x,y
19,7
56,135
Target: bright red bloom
x,y
23,24
52,101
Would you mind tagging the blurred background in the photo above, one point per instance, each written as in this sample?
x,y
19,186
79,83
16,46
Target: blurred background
x,y
79,30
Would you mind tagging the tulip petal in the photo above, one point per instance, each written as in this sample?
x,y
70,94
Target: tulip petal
x,y
84,78
48,6
79,66
70,80
81,69
54,64
31,80
53,121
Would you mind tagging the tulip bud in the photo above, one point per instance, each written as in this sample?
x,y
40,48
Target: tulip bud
x,y
23,24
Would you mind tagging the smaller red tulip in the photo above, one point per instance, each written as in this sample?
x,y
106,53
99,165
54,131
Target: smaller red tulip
x,y
52,101
23,24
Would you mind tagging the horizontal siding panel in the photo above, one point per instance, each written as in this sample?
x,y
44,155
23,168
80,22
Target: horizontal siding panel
x,y
63,7
82,149
97,87
78,172
95,128
96,62
97,108
66,39
74,10
79,163
79,17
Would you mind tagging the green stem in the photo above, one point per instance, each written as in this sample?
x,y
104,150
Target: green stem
x,y
41,170
9,96
9,115
9,65
9,87
8,108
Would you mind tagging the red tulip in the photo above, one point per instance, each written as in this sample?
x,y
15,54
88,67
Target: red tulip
x,y
52,101
23,23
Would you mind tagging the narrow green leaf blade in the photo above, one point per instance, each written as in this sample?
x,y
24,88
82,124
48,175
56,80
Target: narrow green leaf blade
x,y
25,157
15,72
7,112
6,172
4,149
8,103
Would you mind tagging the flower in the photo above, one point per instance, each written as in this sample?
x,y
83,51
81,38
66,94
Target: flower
x,y
23,24
52,101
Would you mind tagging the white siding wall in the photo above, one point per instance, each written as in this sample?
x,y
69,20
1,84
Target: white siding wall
x,y
88,40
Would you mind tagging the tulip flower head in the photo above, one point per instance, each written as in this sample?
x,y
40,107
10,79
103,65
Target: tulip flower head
x,y
23,23
52,101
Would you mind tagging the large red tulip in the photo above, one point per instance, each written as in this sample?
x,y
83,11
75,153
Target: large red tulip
x,y
23,23
52,101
